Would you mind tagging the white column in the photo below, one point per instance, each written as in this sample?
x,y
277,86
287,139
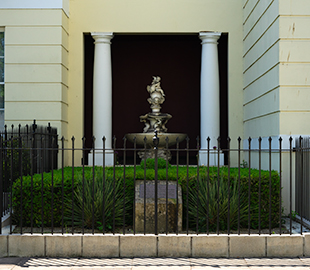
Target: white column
x,y
102,97
209,96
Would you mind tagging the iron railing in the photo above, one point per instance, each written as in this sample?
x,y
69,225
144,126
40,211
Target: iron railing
x,y
302,197
20,156
155,196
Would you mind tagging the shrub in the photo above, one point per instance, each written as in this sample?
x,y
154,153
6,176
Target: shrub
x,y
37,187
244,192
45,190
150,163
211,197
92,210
13,155
29,192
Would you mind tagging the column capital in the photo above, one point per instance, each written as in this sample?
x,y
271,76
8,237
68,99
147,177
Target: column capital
x,y
102,37
209,37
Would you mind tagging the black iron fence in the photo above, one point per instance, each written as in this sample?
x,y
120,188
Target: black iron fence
x,y
302,197
252,193
20,147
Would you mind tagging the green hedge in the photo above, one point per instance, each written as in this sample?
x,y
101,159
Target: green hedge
x,y
14,158
191,181
31,198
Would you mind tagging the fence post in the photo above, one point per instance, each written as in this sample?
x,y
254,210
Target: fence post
x,y
280,189
187,182
155,142
291,183
249,188
10,190
302,181
228,210
34,145
134,184
114,158
177,192
167,143
1,182
144,187
103,183
124,182
197,185
49,145
218,185
269,140
5,168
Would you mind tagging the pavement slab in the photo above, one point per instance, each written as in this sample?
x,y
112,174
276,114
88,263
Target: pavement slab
x,y
11,262
161,263
218,263
25,263
277,263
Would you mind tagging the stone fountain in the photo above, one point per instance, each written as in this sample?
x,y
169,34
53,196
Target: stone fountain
x,y
155,121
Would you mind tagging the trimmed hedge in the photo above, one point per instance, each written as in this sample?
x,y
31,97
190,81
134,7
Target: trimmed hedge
x,y
191,181
13,158
33,191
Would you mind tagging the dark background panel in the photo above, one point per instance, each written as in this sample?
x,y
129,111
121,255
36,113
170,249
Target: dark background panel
x,y
176,59
135,59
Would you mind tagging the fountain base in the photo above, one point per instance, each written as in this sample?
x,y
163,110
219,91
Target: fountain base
x,y
146,141
150,153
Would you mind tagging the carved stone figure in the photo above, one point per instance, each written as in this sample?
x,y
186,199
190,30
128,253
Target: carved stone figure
x,y
156,94
155,120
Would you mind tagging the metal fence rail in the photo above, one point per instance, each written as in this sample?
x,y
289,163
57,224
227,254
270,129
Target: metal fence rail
x,y
154,196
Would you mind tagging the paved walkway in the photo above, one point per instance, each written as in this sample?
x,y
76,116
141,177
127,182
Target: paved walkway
x,y
154,263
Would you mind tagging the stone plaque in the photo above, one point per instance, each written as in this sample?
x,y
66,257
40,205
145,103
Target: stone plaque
x,y
161,191
171,211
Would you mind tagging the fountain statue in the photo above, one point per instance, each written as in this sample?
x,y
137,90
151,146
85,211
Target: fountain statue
x,y
155,121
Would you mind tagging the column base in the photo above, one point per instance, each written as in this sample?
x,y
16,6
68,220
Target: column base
x,y
213,156
109,158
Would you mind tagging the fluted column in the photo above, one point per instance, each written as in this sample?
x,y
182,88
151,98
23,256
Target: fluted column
x,y
102,96
209,95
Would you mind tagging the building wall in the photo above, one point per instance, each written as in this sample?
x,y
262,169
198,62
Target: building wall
x,y
276,68
276,80
44,59
294,76
294,54
36,65
261,68
163,16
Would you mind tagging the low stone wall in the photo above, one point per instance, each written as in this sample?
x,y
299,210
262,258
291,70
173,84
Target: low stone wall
x,y
155,246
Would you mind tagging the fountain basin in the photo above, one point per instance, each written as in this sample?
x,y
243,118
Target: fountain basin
x,y
172,137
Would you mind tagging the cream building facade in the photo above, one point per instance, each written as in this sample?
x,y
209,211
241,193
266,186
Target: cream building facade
x,y
268,58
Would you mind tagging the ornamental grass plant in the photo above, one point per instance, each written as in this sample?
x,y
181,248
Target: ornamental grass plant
x,y
209,203
97,202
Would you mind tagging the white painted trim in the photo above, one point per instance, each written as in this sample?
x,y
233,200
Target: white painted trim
x,y
35,4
